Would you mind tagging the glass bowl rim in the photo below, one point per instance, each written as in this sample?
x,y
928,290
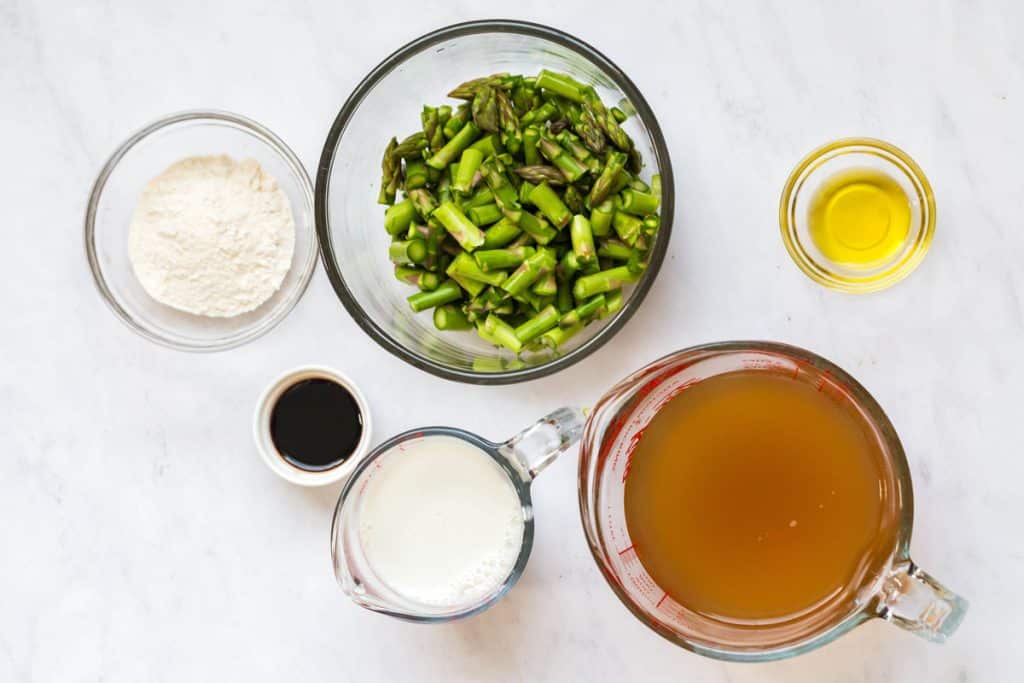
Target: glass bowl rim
x,y
899,270
351,106
247,125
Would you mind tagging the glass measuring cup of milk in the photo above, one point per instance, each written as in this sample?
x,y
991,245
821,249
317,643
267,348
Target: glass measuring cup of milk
x,y
437,523
895,589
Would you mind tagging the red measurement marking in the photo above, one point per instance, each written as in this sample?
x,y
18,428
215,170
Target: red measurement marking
x,y
821,382
623,552
664,595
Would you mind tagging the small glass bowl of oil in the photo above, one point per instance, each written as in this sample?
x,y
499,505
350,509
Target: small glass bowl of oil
x,y
857,215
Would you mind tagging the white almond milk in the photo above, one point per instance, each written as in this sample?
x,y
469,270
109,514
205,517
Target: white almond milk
x,y
440,522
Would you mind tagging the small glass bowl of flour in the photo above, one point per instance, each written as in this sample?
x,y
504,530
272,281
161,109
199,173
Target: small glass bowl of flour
x,y
199,231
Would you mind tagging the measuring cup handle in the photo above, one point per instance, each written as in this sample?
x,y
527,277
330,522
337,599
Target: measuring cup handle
x,y
913,600
536,447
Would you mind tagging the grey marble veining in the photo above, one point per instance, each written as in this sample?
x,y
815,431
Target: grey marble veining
x,y
143,540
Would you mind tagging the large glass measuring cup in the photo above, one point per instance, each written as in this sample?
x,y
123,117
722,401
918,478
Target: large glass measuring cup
x,y
520,458
898,591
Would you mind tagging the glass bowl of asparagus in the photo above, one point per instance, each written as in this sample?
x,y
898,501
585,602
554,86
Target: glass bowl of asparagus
x,y
493,201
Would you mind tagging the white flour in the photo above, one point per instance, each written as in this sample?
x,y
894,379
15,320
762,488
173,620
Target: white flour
x,y
212,236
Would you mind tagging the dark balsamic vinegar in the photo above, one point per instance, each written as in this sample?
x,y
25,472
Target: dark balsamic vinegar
x,y
316,424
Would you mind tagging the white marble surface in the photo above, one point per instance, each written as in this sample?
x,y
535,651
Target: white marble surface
x,y
143,540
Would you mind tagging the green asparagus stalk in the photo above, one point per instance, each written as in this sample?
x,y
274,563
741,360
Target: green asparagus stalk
x,y
549,203
537,174
502,259
634,202
546,285
537,325
601,218
465,266
652,224
454,147
636,263
485,109
468,90
432,128
411,147
537,228
561,84
459,226
563,298
508,122
607,122
573,144
456,121
503,333
531,302
506,309
408,251
525,188
483,195
487,365
444,189
583,312
484,215
415,174
603,185
397,218
619,115
391,173
428,281
636,161
423,279
422,200
539,115
531,270
522,98
603,281
557,336
469,162
448,292
639,185
621,182
612,303
615,250
627,227
488,145
582,239
574,200
524,240
505,195
450,317
500,234
587,127
531,136
472,287
564,161
643,243
568,266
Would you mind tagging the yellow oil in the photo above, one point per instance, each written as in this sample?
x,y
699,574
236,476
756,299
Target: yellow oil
x,y
859,218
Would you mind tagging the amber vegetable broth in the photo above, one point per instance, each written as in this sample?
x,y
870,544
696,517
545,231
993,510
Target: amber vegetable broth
x,y
753,497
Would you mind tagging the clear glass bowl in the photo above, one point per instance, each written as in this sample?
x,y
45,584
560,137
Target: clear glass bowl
x,y
114,195
816,169
388,102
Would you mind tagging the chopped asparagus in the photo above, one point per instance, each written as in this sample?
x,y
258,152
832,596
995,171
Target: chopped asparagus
x,y
448,292
527,157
